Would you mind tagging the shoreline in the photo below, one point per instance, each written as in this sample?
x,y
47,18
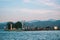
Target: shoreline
x,y
31,30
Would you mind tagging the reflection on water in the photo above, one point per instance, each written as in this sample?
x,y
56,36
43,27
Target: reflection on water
x,y
30,35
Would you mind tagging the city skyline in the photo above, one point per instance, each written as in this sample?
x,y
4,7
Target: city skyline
x,y
16,10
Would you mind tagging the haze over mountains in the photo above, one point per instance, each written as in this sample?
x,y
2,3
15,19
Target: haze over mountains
x,y
37,23
50,23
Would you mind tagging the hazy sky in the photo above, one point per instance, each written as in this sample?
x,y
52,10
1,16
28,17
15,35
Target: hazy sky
x,y
16,10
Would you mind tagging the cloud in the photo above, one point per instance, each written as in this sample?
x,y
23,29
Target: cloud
x,y
7,0
34,11
28,11
47,2
25,10
26,1
16,14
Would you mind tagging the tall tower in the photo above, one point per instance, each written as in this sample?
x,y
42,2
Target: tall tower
x,y
23,24
10,26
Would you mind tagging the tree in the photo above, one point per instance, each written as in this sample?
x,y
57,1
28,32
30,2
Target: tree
x,y
9,25
18,25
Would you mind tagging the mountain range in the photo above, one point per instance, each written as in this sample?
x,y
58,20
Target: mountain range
x,y
37,23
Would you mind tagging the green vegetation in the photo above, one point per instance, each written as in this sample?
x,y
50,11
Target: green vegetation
x,y
16,25
9,23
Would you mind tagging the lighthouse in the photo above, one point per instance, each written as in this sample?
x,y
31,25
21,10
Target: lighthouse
x,y
10,26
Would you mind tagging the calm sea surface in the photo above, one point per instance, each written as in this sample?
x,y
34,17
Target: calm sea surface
x,y
29,35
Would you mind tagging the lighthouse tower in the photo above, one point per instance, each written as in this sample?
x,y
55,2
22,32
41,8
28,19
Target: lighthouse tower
x,y
10,26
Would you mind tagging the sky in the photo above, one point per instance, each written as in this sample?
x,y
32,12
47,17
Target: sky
x,y
16,10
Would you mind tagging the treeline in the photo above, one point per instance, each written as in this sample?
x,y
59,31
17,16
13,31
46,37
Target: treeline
x,y
14,25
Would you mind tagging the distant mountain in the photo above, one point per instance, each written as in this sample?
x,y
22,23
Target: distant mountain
x,y
2,25
42,20
33,21
37,23
51,20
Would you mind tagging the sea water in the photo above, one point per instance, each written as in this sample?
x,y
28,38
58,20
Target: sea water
x,y
29,35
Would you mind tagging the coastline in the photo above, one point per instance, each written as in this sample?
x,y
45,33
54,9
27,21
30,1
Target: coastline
x,y
31,30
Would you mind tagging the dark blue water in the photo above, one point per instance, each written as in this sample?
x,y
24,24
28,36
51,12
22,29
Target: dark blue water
x,y
29,35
